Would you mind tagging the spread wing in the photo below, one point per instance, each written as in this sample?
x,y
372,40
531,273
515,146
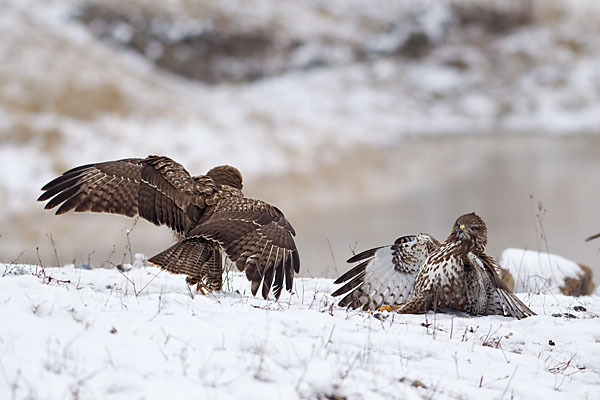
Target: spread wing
x,y
156,188
386,274
501,300
257,238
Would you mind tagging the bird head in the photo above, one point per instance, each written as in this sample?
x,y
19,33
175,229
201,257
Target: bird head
x,y
226,175
470,227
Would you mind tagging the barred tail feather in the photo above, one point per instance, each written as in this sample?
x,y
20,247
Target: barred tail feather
x,y
185,257
510,304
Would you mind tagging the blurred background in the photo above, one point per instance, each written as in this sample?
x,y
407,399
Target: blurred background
x,y
362,123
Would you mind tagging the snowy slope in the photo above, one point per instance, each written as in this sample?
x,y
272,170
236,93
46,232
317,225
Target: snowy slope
x,y
103,334
104,101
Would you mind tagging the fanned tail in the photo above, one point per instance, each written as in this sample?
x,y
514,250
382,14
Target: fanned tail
x,y
189,257
212,270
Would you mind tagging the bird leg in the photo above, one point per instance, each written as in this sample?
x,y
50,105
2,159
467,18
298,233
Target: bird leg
x,y
389,308
201,287
416,305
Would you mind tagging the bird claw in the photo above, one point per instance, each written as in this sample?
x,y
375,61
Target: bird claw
x,y
386,308
201,287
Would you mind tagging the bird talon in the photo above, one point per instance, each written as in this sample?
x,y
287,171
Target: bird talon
x,y
385,308
200,288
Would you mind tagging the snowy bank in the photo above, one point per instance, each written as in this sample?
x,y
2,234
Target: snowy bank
x,y
349,84
538,272
90,334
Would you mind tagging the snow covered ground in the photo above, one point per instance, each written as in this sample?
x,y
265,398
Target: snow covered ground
x,y
363,146
105,334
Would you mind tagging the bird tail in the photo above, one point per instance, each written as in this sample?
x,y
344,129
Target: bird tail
x,y
213,269
189,257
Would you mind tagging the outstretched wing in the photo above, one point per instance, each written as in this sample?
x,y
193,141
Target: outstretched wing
x,y
257,238
156,188
502,300
386,274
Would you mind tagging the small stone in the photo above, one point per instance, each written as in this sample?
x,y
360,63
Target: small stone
x,y
379,316
566,315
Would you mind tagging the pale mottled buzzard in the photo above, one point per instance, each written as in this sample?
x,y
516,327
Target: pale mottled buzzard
x,y
417,274
208,212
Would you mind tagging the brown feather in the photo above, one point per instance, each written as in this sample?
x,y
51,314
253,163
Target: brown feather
x,y
209,211
455,275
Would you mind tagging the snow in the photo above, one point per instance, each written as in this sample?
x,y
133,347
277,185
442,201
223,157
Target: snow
x,y
89,334
538,272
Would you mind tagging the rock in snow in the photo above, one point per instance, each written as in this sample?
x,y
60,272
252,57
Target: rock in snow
x,y
528,271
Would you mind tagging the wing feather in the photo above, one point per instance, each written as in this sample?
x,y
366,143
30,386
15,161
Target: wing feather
x,y
364,255
386,274
278,280
156,188
352,273
502,298
255,236
272,266
209,212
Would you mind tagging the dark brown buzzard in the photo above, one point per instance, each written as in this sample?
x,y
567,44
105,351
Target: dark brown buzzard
x,y
208,212
417,274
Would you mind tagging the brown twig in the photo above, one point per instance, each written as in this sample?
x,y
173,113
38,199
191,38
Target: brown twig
x,y
332,257
128,232
49,235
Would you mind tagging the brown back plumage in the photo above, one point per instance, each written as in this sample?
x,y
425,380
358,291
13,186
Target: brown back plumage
x,y
226,175
208,211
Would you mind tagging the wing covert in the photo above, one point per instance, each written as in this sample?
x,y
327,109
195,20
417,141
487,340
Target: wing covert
x,y
386,274
257,238
156,188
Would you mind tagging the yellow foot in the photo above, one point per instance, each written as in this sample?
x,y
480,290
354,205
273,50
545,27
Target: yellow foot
x,y
200,287
388,308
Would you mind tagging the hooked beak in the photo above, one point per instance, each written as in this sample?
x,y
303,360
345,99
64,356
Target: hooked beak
x,y
464,233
